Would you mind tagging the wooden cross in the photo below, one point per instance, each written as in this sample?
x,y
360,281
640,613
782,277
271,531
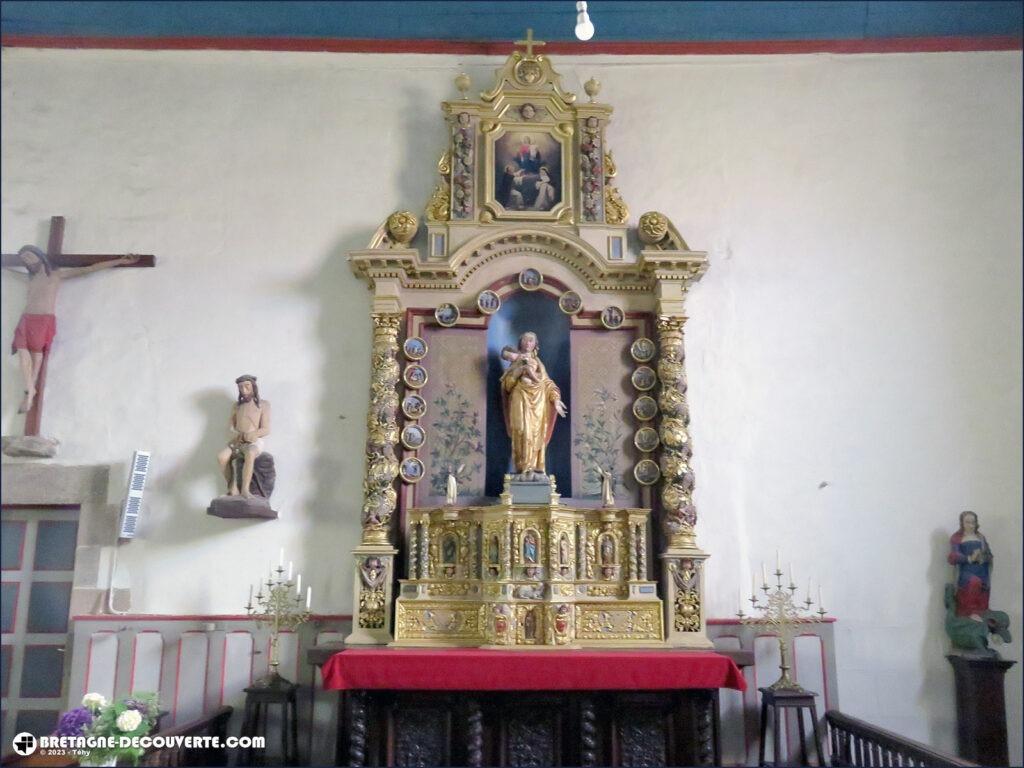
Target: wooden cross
x,y
58,258
529,42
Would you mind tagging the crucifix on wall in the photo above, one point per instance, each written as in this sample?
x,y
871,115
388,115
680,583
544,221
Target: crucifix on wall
x,y
37,327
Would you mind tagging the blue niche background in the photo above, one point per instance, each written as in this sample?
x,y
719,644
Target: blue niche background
x,y
521,312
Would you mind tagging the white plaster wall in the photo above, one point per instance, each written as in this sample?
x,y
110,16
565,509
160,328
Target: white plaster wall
x,y
860,325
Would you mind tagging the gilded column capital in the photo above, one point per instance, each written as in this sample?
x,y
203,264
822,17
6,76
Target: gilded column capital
x,y
387,321
671,324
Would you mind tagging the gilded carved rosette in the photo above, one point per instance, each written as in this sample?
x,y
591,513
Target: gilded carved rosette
x,y
679,513
379,495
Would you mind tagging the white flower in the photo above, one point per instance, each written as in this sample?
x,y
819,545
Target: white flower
x,y
94,701
129,720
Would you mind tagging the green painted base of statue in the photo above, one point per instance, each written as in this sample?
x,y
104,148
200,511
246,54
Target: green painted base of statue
x,y
971,635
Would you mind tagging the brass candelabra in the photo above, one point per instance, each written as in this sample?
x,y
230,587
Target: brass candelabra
x,y
280,607
781,611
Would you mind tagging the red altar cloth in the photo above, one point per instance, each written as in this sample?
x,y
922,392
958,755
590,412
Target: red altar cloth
x,y
475,669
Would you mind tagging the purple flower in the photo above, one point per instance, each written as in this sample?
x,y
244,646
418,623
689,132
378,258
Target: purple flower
x,y
74,722
142,706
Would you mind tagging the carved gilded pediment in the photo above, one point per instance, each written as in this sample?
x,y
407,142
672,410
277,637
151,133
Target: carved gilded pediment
x,y
527,170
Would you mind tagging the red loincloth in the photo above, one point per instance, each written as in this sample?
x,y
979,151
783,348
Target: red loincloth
x,y
34,333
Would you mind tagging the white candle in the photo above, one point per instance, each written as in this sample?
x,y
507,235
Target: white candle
x,y
792,576
808,587
777,567
820,603
764,575
753,585
280,559
309,597
289,570
250,595
298,585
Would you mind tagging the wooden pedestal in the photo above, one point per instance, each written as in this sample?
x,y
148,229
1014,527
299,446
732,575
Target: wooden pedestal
x,y
981,709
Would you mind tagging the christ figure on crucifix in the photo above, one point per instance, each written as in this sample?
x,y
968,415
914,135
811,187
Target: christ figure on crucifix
x,y
38,324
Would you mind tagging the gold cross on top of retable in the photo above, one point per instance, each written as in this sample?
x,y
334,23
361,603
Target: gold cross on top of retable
x,y
529,42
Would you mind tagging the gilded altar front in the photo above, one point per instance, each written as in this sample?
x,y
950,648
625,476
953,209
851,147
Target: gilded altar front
x,y
528,575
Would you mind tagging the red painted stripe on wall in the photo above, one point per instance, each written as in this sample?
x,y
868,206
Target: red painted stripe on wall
x,y
495,48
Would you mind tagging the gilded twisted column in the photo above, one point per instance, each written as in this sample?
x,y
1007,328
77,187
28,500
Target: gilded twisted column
x,y
374,566
679,514
682,560
379,495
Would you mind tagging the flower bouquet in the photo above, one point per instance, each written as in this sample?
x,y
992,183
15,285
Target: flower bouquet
x,y
108,722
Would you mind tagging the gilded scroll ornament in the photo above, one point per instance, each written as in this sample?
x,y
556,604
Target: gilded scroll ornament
x,y
680,515
438,206
615,209
379,496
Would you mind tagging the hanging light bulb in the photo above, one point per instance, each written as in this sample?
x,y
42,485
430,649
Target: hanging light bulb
x,y
584,27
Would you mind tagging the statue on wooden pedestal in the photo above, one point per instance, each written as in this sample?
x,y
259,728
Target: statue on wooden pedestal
x,y
248,470
531,402
969,622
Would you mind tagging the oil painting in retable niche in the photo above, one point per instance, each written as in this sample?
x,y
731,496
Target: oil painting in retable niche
x,y
528,171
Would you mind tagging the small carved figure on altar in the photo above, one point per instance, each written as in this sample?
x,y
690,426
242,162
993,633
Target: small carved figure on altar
x,y
530,624
607,550
607,554
452,486
607,483
531,402
494,551
530,547
449,549
563,550
38,324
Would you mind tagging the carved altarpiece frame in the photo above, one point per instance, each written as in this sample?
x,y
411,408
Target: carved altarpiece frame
x,y
581,245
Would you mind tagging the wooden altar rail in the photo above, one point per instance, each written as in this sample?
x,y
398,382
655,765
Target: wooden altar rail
x,y
854,742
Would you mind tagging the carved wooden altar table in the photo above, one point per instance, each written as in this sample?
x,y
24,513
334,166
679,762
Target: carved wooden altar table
x,y
474,707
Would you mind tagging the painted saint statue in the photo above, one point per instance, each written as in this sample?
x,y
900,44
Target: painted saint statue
x,y
970,553
531,401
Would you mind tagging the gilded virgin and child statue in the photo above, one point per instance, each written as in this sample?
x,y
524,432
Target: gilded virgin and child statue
x,y
532,402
